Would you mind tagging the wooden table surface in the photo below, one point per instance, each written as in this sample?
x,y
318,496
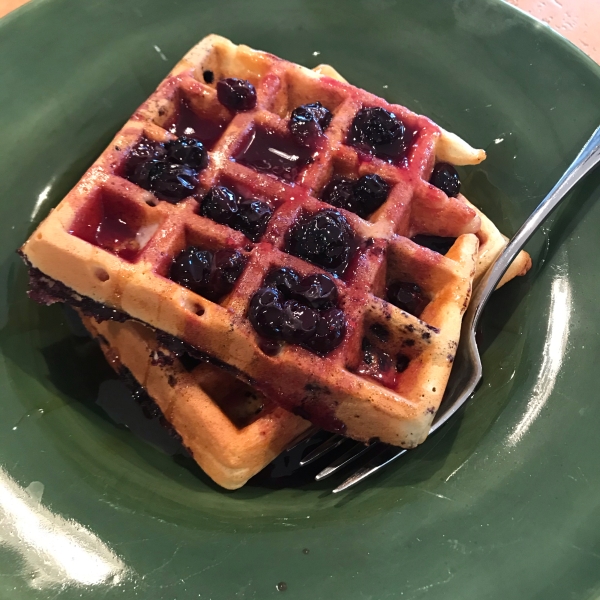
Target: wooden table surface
x,y
577,20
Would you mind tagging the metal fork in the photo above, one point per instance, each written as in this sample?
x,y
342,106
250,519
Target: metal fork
x,y
467,370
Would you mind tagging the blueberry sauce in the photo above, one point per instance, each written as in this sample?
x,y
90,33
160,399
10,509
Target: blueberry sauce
x,y
110,223
189,123
378,364
253,218
221,205
266,313
269,152
339,192
166,180
299,322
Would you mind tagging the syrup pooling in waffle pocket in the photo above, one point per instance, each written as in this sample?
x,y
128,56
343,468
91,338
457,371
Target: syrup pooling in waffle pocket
x,y
280,183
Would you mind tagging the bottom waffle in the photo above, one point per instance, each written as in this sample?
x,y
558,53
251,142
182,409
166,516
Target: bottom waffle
x,y
231,431
491,245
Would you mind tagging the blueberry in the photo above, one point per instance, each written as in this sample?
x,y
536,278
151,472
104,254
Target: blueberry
x,y
276,318
229,265
445,177
375,127
147,149
167,181
408,297
299,322
238,95
308,122
187,151
284,279
192,269
324,239
339,192
362,196
253,218
221,205
226,207
265,297
266,313
329,332
207,274
377,130
370,192
317,291
140,171
150,168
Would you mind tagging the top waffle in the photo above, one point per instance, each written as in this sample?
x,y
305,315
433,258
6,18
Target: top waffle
x,y
113,242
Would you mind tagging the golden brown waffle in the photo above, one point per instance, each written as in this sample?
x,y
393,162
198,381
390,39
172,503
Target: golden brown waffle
x,y
338,391
231,431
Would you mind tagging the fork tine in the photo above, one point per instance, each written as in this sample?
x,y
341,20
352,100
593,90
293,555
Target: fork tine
x,y
329,444
380,460
346,458
302,439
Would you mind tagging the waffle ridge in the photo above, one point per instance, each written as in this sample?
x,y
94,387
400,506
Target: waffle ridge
x,y
133,277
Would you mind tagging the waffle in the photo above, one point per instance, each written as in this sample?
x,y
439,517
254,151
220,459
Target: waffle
x,y
109,245
231,431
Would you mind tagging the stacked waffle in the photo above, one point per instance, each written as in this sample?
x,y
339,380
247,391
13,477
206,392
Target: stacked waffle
x,y
288,230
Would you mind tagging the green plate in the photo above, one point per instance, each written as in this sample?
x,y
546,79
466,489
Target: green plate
x,y
503,502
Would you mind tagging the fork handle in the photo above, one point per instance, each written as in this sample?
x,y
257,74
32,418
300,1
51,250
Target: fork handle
x,y
585,161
